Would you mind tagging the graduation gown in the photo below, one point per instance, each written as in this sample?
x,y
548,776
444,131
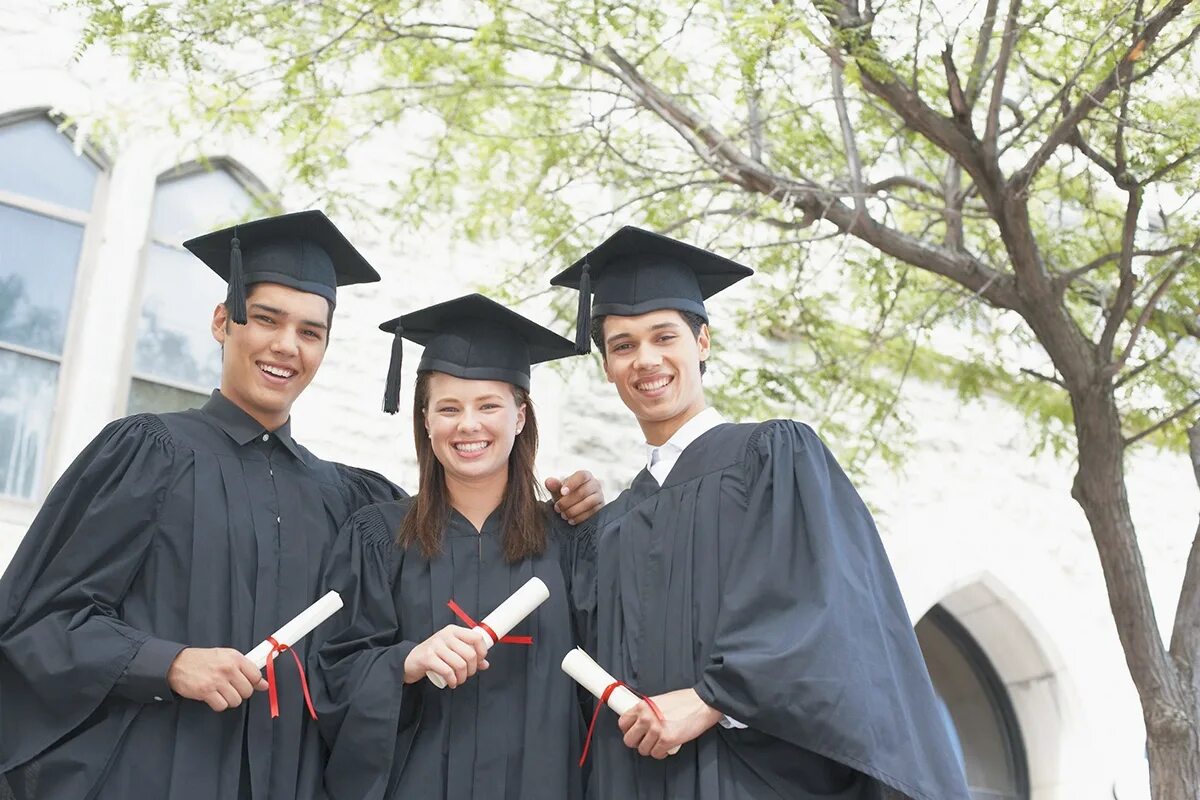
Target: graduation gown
x,y
511,732
198,529
756,576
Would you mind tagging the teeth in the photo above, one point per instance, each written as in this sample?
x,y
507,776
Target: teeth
x,y
652,385
471,447
278,372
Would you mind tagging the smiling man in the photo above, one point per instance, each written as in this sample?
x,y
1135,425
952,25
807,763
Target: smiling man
x,y
739,581
176,542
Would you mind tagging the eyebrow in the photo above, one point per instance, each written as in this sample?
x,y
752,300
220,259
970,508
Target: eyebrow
x,y
451,399
279,312
655,327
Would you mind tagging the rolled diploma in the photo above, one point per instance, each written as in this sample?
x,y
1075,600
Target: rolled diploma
x,y
301,626
591,676
507,616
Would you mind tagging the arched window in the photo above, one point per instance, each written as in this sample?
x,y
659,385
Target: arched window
x,y
176,363
46,196
975,708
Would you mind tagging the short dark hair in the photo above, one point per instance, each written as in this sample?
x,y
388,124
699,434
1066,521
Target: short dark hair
x,y
694,321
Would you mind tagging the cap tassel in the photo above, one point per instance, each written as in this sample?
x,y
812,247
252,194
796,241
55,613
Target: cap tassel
x,y
583,316
391,389
236,301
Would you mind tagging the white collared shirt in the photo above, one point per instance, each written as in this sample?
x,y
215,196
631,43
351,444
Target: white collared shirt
x,y
661,459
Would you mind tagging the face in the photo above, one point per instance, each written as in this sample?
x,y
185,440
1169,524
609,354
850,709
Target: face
x,y
472,426
654,360
271,359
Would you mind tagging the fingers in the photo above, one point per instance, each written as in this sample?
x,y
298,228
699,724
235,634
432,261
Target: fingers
x,y
553,486
252,674
230,695
433,663
476,640
241,685
215,701
579,508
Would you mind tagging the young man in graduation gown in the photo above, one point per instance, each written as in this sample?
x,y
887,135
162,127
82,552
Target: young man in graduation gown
x,y
740,581
176,542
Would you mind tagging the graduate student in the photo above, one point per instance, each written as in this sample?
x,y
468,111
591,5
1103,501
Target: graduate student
x,y
508,726
174,543
740,580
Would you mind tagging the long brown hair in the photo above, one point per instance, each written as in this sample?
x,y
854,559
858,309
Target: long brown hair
x,y
522,514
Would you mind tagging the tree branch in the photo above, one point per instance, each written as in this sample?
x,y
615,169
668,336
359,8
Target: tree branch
x,y
1185,634
1144,317
1124,296
993,286
975,79
1007,44
1162,423
852,158
1119,75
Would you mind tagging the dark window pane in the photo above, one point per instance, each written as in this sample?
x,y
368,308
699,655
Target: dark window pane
x,y
174,341
972,707
145,396
38,161
38,256
26,404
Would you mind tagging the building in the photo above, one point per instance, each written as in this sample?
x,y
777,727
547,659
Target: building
x,y
103,314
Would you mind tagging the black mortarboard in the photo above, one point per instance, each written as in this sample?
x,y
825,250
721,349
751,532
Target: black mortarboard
x,y
302,250
635,272
471,337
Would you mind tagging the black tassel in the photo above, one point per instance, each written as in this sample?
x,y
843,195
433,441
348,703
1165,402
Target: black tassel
x,y
391,388
236,301
583,316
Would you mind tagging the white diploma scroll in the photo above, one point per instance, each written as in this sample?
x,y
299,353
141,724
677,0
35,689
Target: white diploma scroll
x,y
298,628
591,676
507,616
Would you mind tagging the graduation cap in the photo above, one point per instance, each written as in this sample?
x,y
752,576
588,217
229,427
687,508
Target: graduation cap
x,y
302,250
471,337
636,271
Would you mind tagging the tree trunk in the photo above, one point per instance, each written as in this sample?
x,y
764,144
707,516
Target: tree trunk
x,y
1170,705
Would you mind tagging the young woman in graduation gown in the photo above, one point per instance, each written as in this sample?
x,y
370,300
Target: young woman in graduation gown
x,y
509,725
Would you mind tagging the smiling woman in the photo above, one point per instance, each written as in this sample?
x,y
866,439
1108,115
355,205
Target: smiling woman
x,y
473,534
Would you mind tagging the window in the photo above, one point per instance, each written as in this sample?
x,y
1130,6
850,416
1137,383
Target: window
x,y
176,363
46,194
976,709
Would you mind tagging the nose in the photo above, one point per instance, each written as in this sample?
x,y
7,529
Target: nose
x,y
284,342
647,358
468,422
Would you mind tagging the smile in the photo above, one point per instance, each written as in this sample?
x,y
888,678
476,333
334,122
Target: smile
x,y
278,372
471,447
653,384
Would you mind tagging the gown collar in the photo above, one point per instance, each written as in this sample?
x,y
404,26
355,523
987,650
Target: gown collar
x,y
243,428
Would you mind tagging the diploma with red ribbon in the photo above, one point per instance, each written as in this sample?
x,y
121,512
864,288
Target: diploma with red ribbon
x,y
496,625
264,654
607,689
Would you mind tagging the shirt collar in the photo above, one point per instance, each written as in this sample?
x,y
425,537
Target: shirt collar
x,y
689,432
243,428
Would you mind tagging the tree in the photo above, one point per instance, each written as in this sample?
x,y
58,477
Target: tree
x,y
1022,175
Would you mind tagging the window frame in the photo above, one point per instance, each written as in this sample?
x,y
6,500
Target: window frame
x,y
259,194
92,222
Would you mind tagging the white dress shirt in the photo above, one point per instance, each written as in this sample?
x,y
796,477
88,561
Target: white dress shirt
x,y
660,460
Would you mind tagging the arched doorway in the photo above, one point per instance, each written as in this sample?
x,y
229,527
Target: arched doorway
x,y
976,708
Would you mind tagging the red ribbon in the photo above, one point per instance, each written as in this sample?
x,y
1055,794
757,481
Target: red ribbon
x,y
276,649
608,690
458,612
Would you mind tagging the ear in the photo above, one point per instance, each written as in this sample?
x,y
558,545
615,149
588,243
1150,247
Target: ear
x,y
704,342
220,322
520,417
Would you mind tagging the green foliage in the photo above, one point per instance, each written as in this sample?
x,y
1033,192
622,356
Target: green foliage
x,y
513,118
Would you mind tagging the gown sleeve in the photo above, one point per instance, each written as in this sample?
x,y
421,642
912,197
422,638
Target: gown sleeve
x,y
578,560
813,643
63,645
365,712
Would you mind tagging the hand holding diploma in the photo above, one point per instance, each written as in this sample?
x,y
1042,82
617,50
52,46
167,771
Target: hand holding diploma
x,y
682,717
607,689
490,630
283,639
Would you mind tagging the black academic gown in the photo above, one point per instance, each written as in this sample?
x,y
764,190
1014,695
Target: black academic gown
x,y
511,732
755,575
171,530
